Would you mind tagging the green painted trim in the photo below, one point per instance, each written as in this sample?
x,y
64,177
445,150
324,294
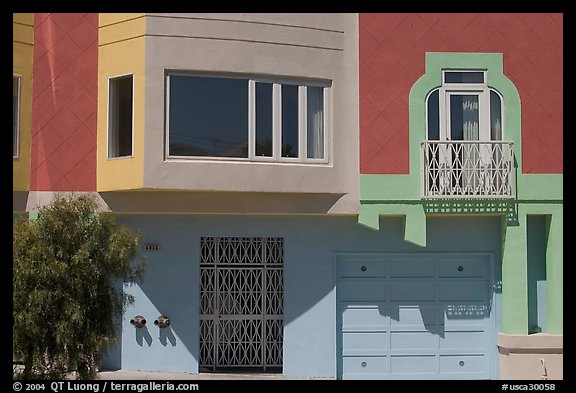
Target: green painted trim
x,y
555,271
389,187
540,187
415,225
414,219
515,278
368,216
515,269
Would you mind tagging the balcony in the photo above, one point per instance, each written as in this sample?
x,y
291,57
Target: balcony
x,y
467,170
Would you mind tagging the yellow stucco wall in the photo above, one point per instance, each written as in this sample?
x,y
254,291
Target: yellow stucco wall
x,y
121,49
22,51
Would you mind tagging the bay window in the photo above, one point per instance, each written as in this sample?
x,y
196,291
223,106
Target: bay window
x,y
245,118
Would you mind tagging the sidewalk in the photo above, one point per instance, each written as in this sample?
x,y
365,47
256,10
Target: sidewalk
x,y
153,376
118,375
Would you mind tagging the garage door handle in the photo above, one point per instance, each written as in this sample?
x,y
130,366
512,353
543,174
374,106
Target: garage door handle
x,y
363,268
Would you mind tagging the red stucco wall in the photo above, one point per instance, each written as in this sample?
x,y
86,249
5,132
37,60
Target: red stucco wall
x,y
392,51
64,97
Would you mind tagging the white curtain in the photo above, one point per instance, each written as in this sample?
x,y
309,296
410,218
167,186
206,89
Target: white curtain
x,y
315,122
498,178
495,117
471,132
470,118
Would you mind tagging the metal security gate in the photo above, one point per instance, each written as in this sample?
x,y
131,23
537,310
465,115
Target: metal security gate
x,y
241,302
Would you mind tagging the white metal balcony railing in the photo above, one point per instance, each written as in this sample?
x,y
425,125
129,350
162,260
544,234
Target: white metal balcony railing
x,y
467,170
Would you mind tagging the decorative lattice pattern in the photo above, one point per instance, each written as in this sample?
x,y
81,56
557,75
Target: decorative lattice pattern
x,y
241,302
467,169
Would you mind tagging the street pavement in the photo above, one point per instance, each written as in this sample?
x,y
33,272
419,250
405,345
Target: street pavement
x,y
154,376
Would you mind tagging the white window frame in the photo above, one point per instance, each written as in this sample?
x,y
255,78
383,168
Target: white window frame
x,y
483,95
276,120
18,105
108,119
327,116
276,157
468,70
482,90
478,89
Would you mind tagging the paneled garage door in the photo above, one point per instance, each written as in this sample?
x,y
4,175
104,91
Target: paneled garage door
x,y
424,316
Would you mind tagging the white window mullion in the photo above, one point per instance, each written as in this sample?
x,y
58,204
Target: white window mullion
x,y
484,115
276,121
167,134
444,105
251,119
302,123
484,132
327,122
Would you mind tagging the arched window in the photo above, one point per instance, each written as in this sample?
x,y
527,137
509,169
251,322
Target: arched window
x,y
465,156
464,108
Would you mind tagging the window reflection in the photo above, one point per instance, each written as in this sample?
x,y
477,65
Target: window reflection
x,y
208,116
289,121
264,119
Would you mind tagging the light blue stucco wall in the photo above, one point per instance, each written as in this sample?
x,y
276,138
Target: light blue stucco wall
x,y
171,283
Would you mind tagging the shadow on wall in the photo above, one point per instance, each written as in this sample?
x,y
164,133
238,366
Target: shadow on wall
x,y
142,334
430,318
221,202
167,336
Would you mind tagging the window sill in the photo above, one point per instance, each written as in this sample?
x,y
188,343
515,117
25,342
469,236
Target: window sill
x,y
256,160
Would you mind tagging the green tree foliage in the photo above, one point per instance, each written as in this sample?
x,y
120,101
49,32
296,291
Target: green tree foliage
x,y
68,266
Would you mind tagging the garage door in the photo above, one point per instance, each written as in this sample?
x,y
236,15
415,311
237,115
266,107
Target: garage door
x,y
414,316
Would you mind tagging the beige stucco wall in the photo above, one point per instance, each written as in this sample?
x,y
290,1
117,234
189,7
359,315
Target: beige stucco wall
x,y
323,46
533,357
